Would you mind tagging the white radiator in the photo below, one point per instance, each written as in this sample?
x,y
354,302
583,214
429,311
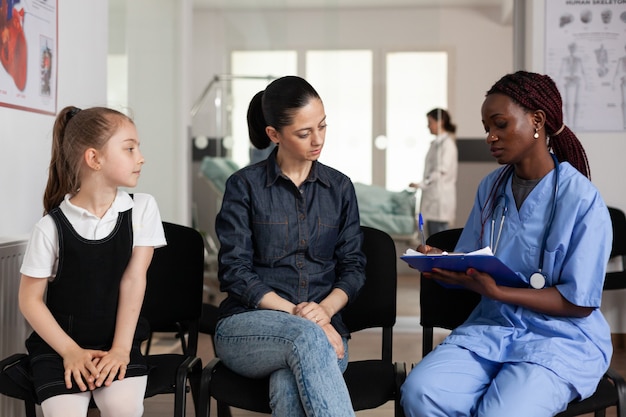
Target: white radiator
x,y
14,328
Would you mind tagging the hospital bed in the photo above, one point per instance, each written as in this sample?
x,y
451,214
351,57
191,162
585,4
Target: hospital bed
x,y
390,211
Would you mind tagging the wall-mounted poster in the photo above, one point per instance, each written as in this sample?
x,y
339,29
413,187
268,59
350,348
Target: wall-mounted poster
x,y
28,53
586,56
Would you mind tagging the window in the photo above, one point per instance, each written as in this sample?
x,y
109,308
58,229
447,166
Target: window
x,y
251,72
344,81
415,83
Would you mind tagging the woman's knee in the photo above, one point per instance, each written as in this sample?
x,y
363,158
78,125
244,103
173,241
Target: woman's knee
x,y
310,341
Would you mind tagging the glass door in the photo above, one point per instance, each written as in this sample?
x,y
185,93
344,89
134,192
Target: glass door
x,y
414,83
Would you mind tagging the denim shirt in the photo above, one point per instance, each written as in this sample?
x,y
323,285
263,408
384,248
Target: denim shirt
x,y
301,242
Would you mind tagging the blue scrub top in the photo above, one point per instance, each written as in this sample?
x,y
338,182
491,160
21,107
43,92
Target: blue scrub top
x,y
577,251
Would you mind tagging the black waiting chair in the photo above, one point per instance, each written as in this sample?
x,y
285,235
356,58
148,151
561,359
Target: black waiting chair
x,y
616,280
447,308
435,300
172,303
371,383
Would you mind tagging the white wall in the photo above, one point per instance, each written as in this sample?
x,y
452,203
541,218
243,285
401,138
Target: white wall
x,y
158,45
605,152
479,43
25,137
172,66
164,79
156,35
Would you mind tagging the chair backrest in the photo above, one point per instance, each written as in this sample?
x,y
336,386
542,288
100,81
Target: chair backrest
x,y
439,306
617,279
173,300
375,305
618,221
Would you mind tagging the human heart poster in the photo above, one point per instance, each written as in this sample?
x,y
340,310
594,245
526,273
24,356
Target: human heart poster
x,y
586,56
28,55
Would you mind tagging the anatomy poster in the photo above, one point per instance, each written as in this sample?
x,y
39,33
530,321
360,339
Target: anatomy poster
x,y
586,57
28,54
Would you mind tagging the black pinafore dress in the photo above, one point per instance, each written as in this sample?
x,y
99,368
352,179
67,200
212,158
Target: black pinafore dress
x,y
83,298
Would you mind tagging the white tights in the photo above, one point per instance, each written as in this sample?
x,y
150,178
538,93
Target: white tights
x,y
121,399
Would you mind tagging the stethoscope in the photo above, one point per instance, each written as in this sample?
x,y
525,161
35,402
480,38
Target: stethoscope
x,y
537,279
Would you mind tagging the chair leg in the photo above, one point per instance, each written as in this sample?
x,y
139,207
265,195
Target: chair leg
x,y
600,413
29,408
398,410
148,345
223,410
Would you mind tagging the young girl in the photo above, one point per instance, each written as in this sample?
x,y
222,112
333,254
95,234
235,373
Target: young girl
x,y
90,252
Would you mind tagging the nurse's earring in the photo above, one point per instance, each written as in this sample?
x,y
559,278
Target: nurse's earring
x,y
536,135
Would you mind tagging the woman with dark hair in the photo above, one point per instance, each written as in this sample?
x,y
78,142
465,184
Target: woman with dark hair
x,y
520,351
290,258
438,200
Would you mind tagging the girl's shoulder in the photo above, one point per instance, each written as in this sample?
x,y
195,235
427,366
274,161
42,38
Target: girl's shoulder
x,y
46,227
143,198
147,223
139,202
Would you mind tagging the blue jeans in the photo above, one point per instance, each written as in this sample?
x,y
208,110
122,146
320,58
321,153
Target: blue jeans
x,y
306,377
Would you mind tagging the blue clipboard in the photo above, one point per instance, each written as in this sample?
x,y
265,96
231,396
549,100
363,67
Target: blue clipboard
x,y
460,262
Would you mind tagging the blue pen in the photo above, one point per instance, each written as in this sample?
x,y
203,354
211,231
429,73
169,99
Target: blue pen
x,y
420,224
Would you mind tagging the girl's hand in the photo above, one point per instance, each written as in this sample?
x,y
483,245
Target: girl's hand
x,y
112,363
335,340
314,312
80,365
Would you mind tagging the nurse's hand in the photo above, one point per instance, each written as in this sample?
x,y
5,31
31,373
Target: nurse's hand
x,y
429,250
473,280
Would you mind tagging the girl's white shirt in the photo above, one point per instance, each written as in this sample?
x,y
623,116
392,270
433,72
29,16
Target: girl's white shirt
x,y
42,251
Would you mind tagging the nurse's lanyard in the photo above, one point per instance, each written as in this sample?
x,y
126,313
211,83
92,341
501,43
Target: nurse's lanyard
x,y
537,279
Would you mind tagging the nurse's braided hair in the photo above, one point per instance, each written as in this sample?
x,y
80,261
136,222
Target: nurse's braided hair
x,y
532,92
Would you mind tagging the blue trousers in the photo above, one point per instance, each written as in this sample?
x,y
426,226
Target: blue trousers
x,y
452,382
306,377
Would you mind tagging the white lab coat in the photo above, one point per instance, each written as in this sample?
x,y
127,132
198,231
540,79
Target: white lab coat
x,y
438,200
